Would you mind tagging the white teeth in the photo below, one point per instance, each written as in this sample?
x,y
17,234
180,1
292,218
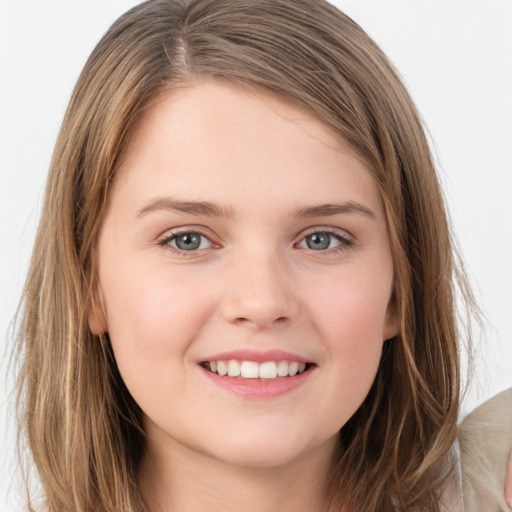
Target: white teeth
x,y
249,370
233,368
293,368
268,370
282,369
253,370
222,368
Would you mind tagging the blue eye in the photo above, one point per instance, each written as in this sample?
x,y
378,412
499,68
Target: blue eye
x,y
325,240
186,241
319,241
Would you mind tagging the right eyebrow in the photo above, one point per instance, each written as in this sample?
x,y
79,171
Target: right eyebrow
x,y
192,207
328,209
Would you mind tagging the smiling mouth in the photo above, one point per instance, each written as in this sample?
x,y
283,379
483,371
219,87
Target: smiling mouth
x,y
267,370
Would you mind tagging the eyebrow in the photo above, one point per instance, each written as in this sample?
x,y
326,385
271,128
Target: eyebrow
x,y
209,209
325,210
193,207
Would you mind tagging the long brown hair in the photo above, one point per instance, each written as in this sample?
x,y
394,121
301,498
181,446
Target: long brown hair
x,y
84,429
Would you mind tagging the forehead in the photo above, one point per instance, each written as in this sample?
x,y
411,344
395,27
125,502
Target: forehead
x,y
226,142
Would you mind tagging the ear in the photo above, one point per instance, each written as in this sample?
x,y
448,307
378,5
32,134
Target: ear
x,y
392,323
96,313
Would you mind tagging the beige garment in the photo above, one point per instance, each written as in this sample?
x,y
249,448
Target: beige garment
x,y
485,440
451,500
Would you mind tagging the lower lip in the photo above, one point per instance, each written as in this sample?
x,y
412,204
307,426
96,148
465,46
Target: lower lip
x,y
259,389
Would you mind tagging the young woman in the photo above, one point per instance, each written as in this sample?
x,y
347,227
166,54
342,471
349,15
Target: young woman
x,y
242,290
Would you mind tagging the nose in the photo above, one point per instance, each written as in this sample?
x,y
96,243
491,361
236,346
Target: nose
x,y
260,293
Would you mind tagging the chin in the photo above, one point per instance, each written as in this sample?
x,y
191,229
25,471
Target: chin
x,y
267,451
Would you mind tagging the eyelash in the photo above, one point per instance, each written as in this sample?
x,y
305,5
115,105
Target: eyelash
x,y
346,241
165,242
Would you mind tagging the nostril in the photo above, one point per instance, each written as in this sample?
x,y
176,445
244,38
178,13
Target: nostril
x,y
242,320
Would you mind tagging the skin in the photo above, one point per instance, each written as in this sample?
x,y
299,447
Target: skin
x,y
254,283
508,483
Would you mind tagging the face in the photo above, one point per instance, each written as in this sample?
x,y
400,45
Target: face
x,y
244,277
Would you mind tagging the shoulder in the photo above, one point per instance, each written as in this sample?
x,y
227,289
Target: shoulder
x,y
485,438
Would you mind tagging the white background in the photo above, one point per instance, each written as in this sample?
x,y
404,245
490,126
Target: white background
x,y
455,57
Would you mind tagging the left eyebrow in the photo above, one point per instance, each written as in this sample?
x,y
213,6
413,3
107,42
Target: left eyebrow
x,y
325,210
192,207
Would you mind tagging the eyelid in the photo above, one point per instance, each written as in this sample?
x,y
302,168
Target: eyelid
x,y
345,238
339,233
169,235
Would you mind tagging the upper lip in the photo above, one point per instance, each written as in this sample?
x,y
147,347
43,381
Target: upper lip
x,y
256,356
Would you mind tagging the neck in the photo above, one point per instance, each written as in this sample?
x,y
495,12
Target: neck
x,y
176,479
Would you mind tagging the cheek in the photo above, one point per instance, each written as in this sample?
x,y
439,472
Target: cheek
x,y
352,317
354,302
153,313
153,318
